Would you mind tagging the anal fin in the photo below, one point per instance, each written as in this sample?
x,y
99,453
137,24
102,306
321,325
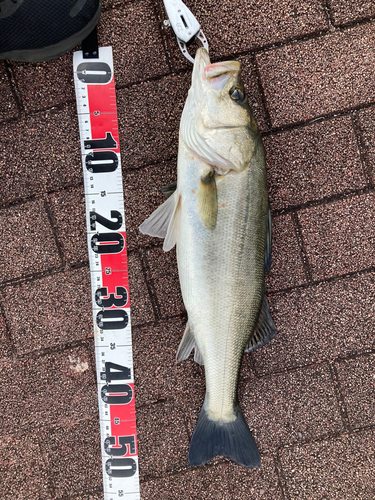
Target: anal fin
x,y
264,331
187,344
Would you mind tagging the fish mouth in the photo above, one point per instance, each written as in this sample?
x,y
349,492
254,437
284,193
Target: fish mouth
x,y
216,74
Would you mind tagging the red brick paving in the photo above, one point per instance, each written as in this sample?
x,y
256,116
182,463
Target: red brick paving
x,y
288,408
9,108
133,32
68,210
154,349
287,268
77,447
320,76
142,310
144,184
165,443
314,162
149,117
44,85
42,158
6,348
49,311
163,276
223,480
309,395
252,24
357,375
322,322
59,388
334,469
351,10
366,126
28,242
340,236
21,458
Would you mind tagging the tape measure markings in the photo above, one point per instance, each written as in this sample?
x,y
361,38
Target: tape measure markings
x,y
106,240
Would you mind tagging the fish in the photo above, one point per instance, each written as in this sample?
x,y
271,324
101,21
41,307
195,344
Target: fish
x,y
217,214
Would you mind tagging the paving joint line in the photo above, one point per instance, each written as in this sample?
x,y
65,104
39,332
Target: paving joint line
x,y
327,437
314,35
251,52
314,364
320,118
153,163
340,399
185,72
360,21
363,152
33,197
158,322
179,470
327,200
119,6
292,369
356,355
54,109
302,246
20,201
58,348
331,279
90,348
51,476
8,334
160,16
326,4
29,278
280,475
55,231
149,283
86,491
267,114
14,88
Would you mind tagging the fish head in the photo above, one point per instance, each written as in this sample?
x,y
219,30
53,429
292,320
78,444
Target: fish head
x,y
217,123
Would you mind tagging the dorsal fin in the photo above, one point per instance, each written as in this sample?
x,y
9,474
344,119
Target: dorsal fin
x,y
264,331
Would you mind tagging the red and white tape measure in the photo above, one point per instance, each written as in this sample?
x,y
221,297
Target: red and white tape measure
x,y
106,237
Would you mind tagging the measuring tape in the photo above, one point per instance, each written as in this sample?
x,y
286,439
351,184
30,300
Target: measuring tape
x,y
106,237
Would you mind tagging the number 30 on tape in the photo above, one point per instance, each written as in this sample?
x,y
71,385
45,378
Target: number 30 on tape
x,y
106,239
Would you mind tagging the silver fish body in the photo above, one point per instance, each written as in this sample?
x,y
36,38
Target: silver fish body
x,y
218,217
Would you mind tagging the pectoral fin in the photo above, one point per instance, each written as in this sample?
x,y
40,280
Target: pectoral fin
x,y
164,222
264,331
207,200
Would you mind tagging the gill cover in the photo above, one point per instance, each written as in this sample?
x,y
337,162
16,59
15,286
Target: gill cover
x,y
217,124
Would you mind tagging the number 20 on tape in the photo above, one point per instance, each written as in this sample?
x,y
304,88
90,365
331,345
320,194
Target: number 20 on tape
x,y
106,239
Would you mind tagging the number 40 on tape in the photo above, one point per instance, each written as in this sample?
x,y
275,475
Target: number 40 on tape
x,y
106,238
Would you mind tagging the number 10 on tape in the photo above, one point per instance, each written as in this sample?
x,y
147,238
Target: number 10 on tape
x,y
106,238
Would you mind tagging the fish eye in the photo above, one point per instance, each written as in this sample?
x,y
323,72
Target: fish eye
x,y
237,94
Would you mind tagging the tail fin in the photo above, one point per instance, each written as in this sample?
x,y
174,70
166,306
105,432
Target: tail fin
x,y
232,440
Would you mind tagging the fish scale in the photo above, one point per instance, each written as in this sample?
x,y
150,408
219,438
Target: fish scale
x,y
223,278
218,218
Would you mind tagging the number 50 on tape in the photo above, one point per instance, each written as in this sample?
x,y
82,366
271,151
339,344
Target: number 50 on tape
x,y
106,237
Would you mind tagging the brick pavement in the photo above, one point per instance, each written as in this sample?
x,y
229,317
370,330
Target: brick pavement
x,y
309,395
